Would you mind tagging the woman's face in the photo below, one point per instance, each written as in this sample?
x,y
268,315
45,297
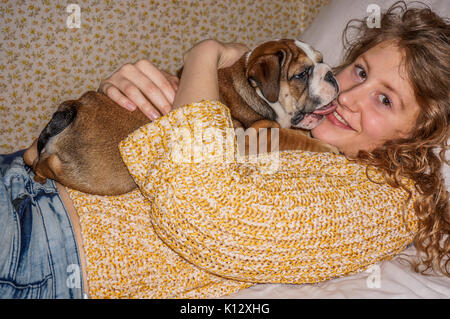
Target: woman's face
x,y
376,103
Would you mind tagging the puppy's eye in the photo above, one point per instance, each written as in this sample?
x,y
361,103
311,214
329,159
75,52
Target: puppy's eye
x,y
302,75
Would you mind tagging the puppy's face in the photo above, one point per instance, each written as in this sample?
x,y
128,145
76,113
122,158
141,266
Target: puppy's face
x,y
290,77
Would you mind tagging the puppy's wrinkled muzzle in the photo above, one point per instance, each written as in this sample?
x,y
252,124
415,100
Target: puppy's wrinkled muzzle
x,y
329,77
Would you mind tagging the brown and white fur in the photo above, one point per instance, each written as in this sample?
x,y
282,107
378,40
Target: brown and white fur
x,y
279,84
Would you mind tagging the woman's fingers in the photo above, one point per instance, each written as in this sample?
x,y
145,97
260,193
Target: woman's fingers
x,y
143,86
114,94
174,81
127,94
158,78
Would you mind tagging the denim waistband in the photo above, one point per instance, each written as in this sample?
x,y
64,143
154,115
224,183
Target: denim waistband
x,y
39,257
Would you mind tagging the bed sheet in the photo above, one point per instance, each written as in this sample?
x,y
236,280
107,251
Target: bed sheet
x,y
389,279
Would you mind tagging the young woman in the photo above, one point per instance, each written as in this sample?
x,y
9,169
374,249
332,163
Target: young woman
x,y
392,113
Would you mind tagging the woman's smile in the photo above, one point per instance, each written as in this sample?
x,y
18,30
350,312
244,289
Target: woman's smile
x,y
336,119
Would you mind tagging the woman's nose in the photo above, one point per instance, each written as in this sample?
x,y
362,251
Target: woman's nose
x,y
350,99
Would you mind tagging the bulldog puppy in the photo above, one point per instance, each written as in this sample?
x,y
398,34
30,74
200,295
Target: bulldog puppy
x,y
294,89
284,81
280,84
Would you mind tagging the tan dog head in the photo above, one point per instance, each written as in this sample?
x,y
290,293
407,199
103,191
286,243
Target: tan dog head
x,y
290,77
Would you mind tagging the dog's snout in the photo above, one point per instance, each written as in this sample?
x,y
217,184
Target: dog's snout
x,y
329,77
297,118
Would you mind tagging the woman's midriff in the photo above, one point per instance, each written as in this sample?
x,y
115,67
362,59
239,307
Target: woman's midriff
x,y
73,215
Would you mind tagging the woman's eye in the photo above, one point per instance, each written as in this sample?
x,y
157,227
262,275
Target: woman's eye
x,y
360,71
385,100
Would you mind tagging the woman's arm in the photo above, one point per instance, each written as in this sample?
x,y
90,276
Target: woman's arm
x,y
199,80
142,85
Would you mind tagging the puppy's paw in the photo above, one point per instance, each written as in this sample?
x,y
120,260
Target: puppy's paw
x,y
327,148
31,154
265,124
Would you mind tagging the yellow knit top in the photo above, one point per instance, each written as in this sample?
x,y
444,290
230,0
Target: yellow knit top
x,y
206,222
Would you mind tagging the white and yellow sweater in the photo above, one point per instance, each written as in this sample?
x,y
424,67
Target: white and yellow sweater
x,y
217,223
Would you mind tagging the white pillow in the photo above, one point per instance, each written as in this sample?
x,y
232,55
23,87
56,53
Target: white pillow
x,y
325,33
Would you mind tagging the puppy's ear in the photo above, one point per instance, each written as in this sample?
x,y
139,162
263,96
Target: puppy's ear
x,y
63,117
264,72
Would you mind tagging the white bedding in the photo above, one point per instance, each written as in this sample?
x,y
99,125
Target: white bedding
x,y
389,279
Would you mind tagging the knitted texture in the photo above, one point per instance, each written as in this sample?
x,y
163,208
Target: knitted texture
x,y
126,259
289,217
206,222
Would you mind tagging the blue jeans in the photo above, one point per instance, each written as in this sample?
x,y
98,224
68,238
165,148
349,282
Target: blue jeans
x,y
39,257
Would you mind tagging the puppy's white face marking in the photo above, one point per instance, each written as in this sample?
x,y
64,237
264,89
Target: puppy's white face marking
x,y
283,118
316,88
309,51
247,56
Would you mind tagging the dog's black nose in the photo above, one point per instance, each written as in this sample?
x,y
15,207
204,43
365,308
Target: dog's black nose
x,y
329,77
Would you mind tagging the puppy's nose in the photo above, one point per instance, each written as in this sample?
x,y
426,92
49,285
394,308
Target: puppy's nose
x,y
329,77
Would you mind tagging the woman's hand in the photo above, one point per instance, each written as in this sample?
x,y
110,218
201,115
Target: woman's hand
x,y
199,80
141,85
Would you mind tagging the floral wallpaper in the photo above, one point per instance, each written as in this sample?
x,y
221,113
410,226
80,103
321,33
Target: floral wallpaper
x,y
53,50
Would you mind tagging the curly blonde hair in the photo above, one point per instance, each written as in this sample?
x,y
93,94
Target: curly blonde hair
x,y
424,38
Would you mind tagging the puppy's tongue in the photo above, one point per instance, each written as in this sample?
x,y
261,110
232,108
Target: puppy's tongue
x,y
327,109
